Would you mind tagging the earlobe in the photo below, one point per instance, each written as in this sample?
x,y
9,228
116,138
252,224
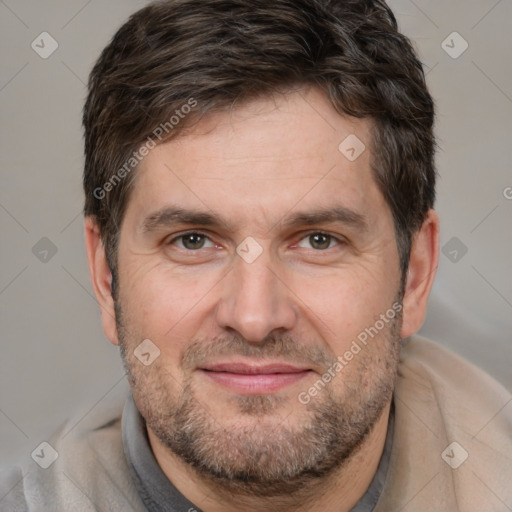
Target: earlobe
x,y
101,278
423,264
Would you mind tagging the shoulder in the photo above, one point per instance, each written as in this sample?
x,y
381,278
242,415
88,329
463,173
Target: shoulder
x,y
12,497
81,467
462,390
453,425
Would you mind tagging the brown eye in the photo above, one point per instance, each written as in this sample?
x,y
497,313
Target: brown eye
x,y
320,241
192,241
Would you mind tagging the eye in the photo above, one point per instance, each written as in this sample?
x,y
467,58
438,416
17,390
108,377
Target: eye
x,y
192,241
319,241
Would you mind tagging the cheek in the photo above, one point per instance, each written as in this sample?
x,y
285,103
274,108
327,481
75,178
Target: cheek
x,y
166,307
342,304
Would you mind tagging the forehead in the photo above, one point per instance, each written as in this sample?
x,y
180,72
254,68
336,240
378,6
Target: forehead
x,y
297,126
265,157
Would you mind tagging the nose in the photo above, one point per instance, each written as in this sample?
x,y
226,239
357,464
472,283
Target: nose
x,y
255,301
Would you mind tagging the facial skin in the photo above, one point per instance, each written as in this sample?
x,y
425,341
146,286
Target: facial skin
x,y
302,301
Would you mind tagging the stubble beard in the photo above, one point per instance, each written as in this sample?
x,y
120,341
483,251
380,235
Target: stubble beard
x,y
264,458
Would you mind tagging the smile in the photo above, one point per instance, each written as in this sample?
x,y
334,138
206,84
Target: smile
x,y
252,379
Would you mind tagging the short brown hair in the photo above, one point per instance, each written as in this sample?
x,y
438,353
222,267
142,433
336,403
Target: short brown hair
x,y
222,52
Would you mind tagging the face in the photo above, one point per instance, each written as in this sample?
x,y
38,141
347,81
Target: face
x,y
256,256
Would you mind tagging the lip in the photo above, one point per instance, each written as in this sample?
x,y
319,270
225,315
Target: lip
x,y
254,379
253,368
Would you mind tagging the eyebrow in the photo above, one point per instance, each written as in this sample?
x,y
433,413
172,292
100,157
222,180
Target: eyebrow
x,y
335,214
171,215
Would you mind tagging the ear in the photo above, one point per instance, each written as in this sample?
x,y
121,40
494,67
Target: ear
x,y
101,278
423,264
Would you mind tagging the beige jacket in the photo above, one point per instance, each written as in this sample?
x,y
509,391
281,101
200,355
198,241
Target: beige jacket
x,y
440,400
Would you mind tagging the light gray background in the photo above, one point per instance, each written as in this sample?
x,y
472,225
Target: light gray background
x,y
55,360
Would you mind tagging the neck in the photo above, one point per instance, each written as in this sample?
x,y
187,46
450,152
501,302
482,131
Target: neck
x,y
338,492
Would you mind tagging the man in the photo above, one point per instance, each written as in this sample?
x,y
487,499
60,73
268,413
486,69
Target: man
x,y
259,185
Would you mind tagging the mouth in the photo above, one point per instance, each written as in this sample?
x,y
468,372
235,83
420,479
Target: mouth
x,y
254,378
